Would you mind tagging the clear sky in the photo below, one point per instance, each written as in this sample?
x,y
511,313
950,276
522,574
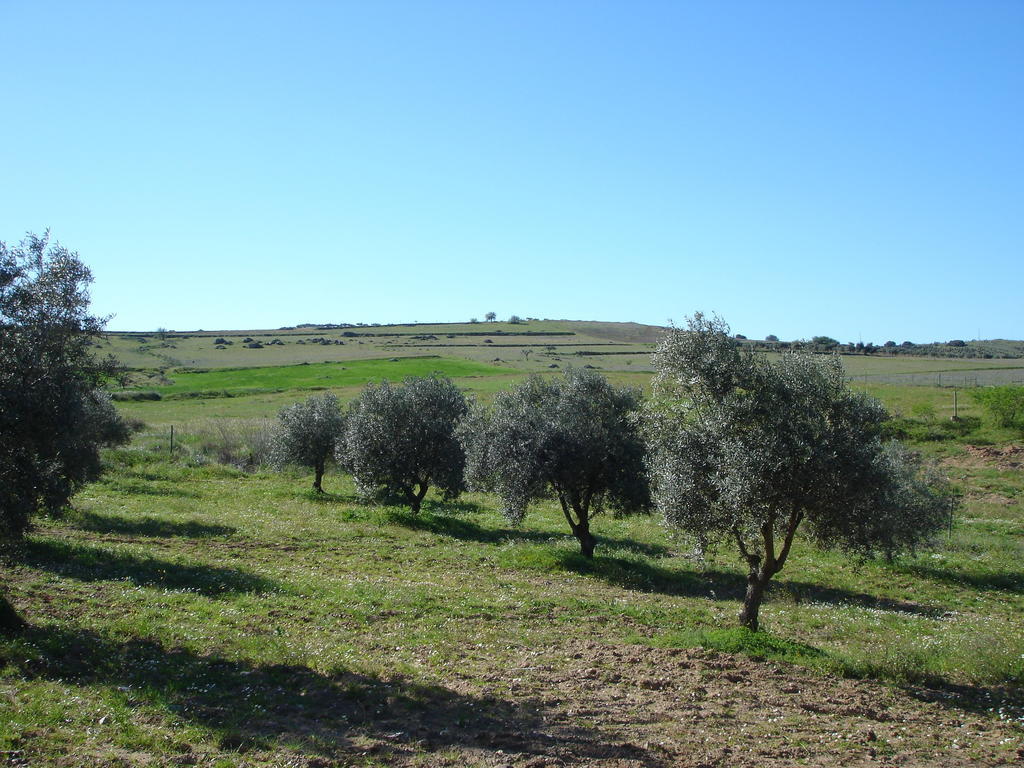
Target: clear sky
x,y
853,169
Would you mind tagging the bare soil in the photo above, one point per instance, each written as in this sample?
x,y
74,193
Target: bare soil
x,y
631,706
1003,457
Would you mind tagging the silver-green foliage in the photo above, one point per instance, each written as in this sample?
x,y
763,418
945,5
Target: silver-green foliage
x,y
53,416
401,440
746,450
307,434
576,436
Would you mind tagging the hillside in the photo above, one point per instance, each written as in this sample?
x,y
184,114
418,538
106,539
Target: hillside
x,y
155,362
510,344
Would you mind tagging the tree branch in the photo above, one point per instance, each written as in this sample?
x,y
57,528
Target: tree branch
x,y
794,522
752,560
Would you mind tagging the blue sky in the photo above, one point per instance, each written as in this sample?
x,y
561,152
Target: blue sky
x,y
854,169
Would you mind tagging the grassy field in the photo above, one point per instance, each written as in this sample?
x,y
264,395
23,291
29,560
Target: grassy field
x,y
190,614
187,612
236,381
535,346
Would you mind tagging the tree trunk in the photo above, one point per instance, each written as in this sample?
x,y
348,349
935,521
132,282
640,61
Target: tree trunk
x,y
318,480
757,583
580,525
415,499
10,622
586,539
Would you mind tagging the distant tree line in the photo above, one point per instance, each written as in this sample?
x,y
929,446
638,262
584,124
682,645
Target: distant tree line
x,y
957,348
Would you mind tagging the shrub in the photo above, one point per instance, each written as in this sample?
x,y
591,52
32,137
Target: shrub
x,y
247,444
1003,405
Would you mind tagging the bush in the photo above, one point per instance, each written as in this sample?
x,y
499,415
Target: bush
x,y
247,444
1003,405
135,396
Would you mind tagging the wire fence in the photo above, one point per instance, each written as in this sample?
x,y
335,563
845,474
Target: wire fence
x,y
958,380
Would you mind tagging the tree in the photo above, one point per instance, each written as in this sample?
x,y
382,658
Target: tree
x,y
746,450
1004,405
824,343
307,434
53,416
576,436
515,320
401,440
490,317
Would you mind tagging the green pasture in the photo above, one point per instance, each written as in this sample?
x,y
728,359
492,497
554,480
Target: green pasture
x,y
186,608
187,611
315,375
520,345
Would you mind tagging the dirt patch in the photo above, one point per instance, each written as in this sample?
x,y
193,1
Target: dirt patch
x,y
631,706
1005,456
992,498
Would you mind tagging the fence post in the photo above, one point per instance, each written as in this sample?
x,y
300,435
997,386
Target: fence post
x,y
956,413
172,439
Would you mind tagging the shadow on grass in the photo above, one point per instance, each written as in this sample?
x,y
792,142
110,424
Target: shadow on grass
x,y
802,591
438,506
648,577
740,640
90,521
1012,580
342,716
136,487
643,576
456,527
84,562
328,497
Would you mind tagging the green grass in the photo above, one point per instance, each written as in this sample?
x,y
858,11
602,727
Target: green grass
x,y
236,381
188,611
202,610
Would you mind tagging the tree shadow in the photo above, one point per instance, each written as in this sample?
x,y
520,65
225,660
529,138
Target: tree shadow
x,y
133,486
455,527
978,699
802,591
340,716
192,529
643,576
329,497
454,507
84,562
1012,581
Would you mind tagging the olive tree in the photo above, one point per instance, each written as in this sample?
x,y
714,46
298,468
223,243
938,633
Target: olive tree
x,y
401,440
576,436
746,450
53,415
307,434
